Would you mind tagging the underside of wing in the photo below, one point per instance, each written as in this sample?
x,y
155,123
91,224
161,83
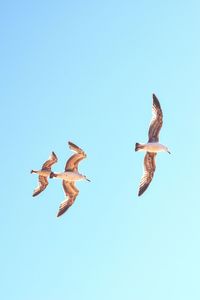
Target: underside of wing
x,y
43,182
73,161
75,148
65,205
149,169
156,122
71,192
51,160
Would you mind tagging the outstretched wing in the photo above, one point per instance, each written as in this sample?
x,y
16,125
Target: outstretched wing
x,y
75,148
149,169
73,161
156,122
71,192
51,160
43,182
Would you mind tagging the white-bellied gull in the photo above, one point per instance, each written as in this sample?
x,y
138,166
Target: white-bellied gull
x,y
152,147
69,177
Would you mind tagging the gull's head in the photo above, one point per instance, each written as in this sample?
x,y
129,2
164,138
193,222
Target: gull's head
x,y
86,178
168,151
164,149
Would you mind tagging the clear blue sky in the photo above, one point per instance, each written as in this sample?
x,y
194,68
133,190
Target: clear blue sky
x,y
85,71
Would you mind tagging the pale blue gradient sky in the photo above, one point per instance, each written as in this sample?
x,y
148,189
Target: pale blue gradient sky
x,y
84,71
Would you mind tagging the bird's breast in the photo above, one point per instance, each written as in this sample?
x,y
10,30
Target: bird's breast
x,y
44,173
72,176
154,147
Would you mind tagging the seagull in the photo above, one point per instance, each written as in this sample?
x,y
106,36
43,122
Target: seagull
x,y
69,177
152,147
44,173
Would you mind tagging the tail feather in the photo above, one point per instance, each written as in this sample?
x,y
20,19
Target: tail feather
x,y
138,147
52,174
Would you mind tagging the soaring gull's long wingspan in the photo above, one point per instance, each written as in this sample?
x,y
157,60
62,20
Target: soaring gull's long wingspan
x,y
43,182
71,192
149,169
73,161
156,122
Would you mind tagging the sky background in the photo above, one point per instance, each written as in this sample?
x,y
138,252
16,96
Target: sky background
x,y
85,71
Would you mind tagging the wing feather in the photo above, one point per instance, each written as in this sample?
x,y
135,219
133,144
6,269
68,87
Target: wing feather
x,y
43,182
73,161
51,160
71,192
149,169
156,122
75,148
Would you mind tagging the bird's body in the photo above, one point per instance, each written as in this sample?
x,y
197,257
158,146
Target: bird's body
x,y
152,147
69,177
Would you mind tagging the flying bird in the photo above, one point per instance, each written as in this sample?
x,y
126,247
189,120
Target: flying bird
x,y
152,147
69,177
44,173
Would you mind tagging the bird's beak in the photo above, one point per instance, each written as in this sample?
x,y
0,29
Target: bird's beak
x,y
88,179
169,152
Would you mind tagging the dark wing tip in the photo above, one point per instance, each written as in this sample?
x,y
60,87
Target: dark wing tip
x,y
140,193
75,148
142,190
59,214
156,101
154,97
54,155
72,144
36,193
62,210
